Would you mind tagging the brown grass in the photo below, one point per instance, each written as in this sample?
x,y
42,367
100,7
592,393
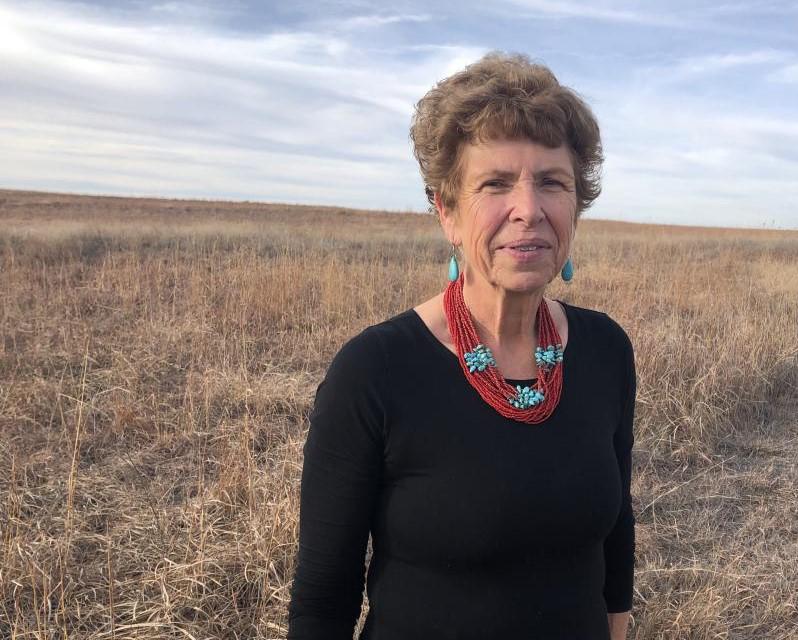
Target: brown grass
x,y
159,359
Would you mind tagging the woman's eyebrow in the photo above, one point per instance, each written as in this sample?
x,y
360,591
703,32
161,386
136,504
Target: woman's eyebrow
x,y
494,173
555,171
504,173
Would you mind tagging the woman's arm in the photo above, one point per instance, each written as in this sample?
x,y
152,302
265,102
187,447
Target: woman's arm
x,y
619,546
618,624
341,478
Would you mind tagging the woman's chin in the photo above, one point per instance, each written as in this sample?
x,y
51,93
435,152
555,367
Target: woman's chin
x,y
524,282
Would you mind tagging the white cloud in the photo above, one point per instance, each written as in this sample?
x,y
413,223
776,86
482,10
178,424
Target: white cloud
x,y
687,160
373,21
787,74
595,11
300,115
722,62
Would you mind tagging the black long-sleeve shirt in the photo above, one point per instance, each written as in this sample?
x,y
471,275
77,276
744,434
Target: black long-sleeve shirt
x,y
482,527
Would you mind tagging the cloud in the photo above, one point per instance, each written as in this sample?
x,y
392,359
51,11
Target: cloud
x,y
293,109
787,74
722,62
594,11
373,21
675,16
687,160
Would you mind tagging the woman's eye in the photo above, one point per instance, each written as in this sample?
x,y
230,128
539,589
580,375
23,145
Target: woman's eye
x,y
495,184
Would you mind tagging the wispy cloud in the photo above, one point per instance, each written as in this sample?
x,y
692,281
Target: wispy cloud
x,y
591,11
787,74
175,110
723,62
371,21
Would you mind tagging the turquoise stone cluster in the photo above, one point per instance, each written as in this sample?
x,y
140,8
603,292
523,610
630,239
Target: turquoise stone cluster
x,y
479,359
526,397
549,356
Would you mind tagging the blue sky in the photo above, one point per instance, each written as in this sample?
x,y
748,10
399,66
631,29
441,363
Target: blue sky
x,y
311,101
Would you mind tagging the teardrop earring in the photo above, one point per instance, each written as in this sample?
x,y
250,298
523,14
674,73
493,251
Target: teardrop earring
x,y
454,270
567,272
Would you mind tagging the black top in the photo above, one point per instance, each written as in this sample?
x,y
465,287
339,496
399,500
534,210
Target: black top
x,y
482,527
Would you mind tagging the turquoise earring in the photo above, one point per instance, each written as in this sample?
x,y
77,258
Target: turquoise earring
x,y
567,272
454,270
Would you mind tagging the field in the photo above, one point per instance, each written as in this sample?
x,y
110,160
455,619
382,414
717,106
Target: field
x,y
159,359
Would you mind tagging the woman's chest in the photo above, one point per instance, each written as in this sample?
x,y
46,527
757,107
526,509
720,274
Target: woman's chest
x,y
464,485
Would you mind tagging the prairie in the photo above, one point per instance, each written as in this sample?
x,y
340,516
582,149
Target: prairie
x,y
159,360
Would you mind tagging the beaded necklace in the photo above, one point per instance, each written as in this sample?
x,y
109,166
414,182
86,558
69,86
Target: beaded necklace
x,y
531,405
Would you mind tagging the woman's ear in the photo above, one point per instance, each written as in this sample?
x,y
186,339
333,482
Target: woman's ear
x,y
446,218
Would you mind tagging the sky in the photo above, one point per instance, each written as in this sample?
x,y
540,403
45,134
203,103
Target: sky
x,y
310,101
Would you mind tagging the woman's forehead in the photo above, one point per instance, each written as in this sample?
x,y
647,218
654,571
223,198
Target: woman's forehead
x,y
514,156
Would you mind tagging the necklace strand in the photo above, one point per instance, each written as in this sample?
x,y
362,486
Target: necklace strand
x,y
487,380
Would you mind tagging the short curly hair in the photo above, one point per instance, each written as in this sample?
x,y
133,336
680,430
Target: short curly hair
x,y
503,96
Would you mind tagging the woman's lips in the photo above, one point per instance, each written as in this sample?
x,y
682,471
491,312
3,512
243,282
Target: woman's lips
x,y
525,256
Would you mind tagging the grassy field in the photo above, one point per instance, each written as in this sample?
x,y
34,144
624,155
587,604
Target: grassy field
x,y
159,359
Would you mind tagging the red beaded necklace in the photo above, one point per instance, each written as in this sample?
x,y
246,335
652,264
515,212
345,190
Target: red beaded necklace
x,y
487,379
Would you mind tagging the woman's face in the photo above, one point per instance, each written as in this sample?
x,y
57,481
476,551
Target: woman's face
x,y
515,215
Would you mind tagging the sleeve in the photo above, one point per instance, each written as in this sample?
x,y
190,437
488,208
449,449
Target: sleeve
x,y
619,546
341,477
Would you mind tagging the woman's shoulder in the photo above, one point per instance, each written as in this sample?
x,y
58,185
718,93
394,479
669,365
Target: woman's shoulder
x,y
597,325
373,346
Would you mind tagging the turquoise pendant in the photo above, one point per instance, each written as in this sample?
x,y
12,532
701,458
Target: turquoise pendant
x,y
548,357
454,270
479,359
567,272
526,397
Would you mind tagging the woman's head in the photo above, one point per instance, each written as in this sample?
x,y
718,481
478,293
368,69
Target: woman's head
x,y
502,97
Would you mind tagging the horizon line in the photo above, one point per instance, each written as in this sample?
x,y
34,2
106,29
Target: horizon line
x,y
83,194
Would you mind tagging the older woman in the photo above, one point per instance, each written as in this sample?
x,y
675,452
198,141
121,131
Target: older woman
x,y
482,438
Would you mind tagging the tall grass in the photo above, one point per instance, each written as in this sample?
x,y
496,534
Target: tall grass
x,y
158,363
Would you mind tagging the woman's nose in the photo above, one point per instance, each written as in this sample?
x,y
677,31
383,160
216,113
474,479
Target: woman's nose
x,y
526,203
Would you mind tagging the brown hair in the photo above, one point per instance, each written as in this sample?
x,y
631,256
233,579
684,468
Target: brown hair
x,y
503,96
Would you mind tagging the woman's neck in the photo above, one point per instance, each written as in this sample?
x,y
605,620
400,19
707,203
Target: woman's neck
x,y
502,318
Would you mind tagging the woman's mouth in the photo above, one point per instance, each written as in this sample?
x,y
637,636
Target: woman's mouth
x,y
525,254
526,251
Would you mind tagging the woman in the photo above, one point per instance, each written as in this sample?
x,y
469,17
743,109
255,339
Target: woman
x,y
483,438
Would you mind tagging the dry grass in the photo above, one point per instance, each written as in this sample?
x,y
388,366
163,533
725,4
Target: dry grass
x,y
159,359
